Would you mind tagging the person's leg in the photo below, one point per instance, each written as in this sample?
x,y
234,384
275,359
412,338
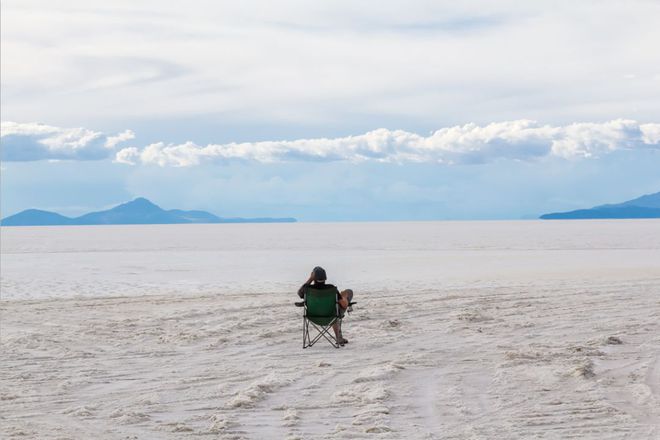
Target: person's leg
x,y
340,338
346,296
338,335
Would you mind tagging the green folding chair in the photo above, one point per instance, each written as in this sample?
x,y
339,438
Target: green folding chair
x,y
321,312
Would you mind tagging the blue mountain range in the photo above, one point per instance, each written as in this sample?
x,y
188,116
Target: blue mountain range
x,y
137,212
647,206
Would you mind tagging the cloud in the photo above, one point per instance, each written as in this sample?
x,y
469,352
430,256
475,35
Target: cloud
x,y
33,141
335,65
650,133
127,155
470,143
126,135
462,144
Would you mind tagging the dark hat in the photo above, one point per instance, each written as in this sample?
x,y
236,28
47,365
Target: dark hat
x,y
319,274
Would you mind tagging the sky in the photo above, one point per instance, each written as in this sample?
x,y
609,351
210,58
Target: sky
x,y
330,111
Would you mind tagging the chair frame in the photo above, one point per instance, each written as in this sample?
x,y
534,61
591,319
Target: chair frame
x,y
324,331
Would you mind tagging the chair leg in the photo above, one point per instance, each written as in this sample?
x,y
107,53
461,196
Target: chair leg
x,y
306,340
323,332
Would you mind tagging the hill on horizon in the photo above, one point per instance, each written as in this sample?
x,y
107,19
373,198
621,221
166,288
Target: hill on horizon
x,y
646,206
139,211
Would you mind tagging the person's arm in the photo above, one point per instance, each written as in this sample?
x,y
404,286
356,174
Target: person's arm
x,y
301,291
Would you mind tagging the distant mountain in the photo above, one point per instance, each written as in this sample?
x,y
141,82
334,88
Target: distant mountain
x,y
647,206
137,212
647,201
36,217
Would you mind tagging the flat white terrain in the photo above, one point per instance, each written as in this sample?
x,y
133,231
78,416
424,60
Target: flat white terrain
x,y
475,330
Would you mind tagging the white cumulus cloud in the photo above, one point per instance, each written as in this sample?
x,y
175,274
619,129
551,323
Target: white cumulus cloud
x,y
126,135
650,133
34,141
469,143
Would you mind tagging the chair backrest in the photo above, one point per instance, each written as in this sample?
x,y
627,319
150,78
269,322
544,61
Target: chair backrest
x,y
321,304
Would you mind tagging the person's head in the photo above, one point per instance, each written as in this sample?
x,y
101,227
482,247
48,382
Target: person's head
x,y
319,274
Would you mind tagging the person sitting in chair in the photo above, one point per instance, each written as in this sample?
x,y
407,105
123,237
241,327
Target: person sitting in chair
x,y
317,279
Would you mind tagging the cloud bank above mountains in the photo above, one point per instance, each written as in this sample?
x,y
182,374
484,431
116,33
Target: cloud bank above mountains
x,y
22,142
462,144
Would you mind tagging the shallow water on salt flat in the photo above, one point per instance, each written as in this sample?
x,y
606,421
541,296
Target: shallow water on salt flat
x,y
43,262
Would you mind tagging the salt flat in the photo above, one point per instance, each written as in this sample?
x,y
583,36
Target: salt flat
x,y
462,330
